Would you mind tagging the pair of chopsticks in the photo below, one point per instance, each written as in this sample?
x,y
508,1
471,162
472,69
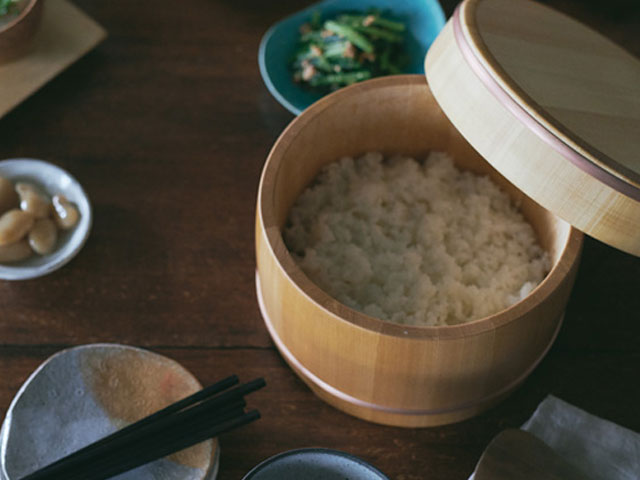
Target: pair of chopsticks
x,y
213,410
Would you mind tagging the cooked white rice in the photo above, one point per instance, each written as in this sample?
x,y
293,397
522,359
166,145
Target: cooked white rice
x,y
414,243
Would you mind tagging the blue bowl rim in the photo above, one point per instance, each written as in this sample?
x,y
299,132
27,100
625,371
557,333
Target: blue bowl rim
x,y
318,450
436,7
263,66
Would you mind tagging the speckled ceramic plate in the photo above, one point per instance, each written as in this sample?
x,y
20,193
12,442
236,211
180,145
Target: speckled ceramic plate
x,y
52,180
315,464
85,393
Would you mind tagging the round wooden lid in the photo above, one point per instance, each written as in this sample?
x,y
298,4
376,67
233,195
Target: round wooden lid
x,y
575,91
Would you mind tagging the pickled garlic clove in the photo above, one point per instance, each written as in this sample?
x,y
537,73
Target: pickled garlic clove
x,y
14,225
15,252
33,201
43,236
65,213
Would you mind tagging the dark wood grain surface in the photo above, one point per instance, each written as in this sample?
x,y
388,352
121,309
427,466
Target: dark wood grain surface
x,y
167,125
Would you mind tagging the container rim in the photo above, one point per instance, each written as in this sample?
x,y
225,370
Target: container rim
x,y
568,254
311,451
20,17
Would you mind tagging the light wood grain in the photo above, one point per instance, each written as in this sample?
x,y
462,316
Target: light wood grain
x,y
64,36
528,161
407,376
576,82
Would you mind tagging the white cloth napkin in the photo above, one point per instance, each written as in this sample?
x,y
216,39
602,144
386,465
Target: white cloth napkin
x,y
602,449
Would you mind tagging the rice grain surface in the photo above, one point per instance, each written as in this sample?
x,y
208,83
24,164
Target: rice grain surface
x,y
417,243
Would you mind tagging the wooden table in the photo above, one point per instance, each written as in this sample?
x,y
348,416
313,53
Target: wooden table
x,y
167,125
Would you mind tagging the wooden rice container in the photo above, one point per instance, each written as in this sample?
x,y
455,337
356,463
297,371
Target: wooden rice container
x,y
383,372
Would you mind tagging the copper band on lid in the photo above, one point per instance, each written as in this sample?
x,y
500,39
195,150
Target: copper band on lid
x,y
531,123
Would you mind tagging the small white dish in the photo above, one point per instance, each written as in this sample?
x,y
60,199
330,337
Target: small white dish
x,y
52,180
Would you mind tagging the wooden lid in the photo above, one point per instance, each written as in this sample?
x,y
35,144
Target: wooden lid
x,y
559,103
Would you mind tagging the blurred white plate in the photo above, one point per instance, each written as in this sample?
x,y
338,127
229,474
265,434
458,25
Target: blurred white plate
x,y
52,180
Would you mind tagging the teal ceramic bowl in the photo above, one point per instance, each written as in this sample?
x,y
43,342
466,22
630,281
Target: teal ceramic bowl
x,y
424,20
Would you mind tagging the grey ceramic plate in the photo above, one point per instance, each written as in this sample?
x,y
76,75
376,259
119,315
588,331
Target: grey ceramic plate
x,y
315,464
85,393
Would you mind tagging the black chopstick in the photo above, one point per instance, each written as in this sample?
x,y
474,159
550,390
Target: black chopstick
x,y
179,419
165,412
158,449
152,448
235,409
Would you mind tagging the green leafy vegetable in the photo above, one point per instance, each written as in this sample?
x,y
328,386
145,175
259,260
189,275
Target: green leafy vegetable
x,y
350,34
348,48
7,6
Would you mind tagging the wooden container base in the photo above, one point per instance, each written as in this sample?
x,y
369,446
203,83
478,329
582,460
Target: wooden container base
x,y
388,415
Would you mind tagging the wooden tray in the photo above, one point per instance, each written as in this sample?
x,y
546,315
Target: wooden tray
x,y
65,35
